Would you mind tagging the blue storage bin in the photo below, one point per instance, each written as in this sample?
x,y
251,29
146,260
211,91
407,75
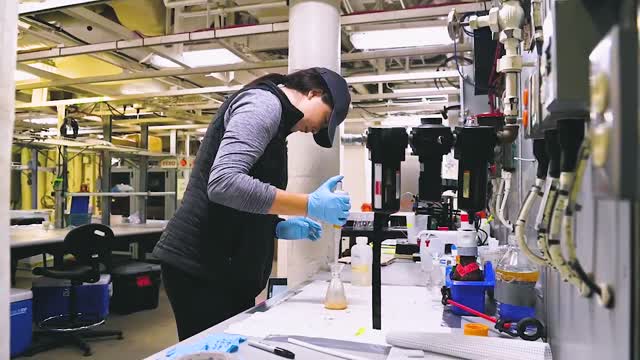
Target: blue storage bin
x,y
21,319
78,219
51,297
470,293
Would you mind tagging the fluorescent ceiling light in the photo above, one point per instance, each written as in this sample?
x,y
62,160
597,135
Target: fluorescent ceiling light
x,y
131,91
404,90
399,38
24,76
198,58
43,121
210,57
159,61
26,7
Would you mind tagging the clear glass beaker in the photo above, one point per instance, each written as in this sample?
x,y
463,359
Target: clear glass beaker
x,y
516,278
335,298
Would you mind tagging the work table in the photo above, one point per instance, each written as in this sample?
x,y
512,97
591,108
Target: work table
x,y
32,235
400,275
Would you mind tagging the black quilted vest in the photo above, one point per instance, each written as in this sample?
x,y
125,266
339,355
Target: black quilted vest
x,y
232,248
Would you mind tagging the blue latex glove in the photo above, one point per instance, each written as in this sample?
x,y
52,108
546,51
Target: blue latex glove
x,y
298,228
326,206
226,343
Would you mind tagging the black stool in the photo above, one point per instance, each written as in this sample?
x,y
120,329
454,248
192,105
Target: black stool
x,y
90,245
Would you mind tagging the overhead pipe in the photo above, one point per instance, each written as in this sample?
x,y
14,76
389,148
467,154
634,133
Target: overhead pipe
x,y
222,10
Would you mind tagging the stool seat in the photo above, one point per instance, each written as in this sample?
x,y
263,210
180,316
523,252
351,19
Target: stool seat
x,y
81,273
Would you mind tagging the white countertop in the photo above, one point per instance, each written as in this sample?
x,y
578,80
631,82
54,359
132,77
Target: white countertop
x,y
31,235
396,273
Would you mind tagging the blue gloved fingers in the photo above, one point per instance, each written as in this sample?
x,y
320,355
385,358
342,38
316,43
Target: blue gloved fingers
x,y
315,235
312,224
333,182
303,231
315,229
341,221
292,229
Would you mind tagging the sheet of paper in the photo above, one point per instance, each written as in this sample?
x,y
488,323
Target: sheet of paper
x,y
403,308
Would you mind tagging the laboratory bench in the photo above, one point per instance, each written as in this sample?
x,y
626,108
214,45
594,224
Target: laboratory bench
x,y
36,235
402,274
30,240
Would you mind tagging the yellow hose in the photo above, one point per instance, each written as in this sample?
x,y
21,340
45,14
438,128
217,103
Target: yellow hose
x,y
42,179
25,187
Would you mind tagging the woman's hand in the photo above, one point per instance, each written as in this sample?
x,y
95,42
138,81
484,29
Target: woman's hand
x,y
325,205
298,228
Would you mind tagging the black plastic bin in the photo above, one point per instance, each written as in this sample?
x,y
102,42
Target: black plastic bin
x,y
135,287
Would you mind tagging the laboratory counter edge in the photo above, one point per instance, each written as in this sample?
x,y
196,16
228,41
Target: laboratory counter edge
x,y
392,275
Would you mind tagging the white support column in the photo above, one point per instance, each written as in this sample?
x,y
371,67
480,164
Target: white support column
x,y
314,40
9,43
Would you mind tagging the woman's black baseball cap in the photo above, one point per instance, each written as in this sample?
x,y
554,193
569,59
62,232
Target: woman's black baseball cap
x,y
341,98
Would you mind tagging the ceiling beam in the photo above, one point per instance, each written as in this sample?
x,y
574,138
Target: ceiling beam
x,y
394,77
170,93
270,64
413,94
362,112
400,77
111,26
109,58
56,77
353,19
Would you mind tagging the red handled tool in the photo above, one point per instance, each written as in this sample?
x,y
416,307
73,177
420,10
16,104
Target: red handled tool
x,y
530,329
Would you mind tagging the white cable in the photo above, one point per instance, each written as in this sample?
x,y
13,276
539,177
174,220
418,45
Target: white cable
x,y
495,185
543,201
546,206
499,198
602,290
471,347
325,350
583,159
555,232
507,189
522,218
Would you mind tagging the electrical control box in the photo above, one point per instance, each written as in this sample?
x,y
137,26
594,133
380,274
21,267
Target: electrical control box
x,y
569,37
614,124
532,124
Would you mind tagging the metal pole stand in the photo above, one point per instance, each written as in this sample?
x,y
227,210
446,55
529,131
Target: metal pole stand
x,y
379,222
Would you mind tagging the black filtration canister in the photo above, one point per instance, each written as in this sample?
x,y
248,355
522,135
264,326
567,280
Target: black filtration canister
x,y
386,151
474,150
430,142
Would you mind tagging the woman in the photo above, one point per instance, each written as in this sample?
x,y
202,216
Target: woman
x,y
217,250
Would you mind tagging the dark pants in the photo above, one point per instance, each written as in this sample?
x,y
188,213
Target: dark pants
x,y
199,304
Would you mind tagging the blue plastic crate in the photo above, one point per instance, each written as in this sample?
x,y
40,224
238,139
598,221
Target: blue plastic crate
x,y
51,298
514,312
470,293
21,318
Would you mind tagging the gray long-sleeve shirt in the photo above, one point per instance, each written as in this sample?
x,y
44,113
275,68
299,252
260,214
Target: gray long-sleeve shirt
x,y
251,122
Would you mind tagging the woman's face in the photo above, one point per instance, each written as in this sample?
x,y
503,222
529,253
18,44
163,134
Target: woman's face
x,y
316,113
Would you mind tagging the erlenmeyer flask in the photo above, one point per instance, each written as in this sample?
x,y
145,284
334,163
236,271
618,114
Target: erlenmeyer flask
x,y
335,298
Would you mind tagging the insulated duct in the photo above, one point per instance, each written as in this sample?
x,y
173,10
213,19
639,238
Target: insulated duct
x,y
144,16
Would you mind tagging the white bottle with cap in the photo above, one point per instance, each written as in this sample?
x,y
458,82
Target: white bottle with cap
x,y
361,261
467,237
